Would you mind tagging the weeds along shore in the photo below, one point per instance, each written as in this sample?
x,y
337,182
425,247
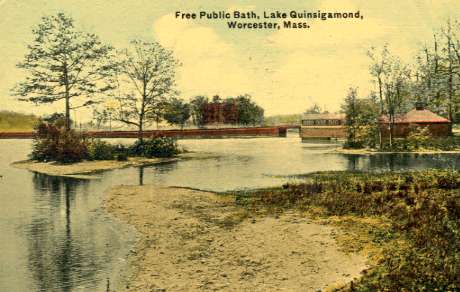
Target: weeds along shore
x,y
420,244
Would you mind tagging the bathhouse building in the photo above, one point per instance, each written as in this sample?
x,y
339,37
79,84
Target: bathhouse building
x,y
322,126
418,117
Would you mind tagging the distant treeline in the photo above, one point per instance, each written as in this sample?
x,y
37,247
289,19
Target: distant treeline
x,y
240,110
11,121
293,119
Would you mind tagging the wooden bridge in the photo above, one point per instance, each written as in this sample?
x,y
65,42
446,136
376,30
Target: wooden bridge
x,y
275,131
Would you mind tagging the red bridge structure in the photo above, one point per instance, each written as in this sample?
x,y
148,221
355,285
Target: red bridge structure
x,y
276,131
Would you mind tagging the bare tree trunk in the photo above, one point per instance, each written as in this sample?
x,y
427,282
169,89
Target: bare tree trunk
x,y
67,111
381,108
380,94
67,98
142,113
450,83
140,132
391,124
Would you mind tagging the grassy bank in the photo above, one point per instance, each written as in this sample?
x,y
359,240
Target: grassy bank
x,y
17,122
420,245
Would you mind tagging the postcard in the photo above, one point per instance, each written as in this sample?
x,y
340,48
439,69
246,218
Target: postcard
x,y
229,145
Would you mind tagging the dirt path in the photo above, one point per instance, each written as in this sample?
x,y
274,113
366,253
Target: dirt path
x,y
198,241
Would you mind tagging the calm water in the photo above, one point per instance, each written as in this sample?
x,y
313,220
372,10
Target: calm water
x,y
54,235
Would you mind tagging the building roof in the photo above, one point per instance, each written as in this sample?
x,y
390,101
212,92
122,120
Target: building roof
x,y
416,116
323,117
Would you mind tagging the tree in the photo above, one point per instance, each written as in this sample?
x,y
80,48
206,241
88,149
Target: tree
x,y
378,69
438,72
145,80
248,111
101,117
396,92
350,108
177,112
361,120
197,105
64,63
314,109
56,119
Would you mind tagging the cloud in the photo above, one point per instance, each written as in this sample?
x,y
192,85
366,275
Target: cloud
x,y
210,65
289,70
319,64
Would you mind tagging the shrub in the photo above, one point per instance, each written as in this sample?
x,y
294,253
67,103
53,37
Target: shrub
x,y
100,150
155,147
418,138
52,143
121,156
121,152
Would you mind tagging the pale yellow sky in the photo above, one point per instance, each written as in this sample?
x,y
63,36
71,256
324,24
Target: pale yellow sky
x,y
285,71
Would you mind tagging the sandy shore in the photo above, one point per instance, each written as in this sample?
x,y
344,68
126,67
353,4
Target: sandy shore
x,y
84,169
197,241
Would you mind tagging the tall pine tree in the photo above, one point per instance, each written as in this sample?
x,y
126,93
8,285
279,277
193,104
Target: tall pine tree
x,y
64,64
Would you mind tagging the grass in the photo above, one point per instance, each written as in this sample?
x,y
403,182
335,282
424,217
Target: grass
x,y
408,222
17,122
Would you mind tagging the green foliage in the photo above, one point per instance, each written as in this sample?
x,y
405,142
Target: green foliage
x,y
422,206
52,143
420,140
314,109
293,119
122,155
249,113
197,104
11,121
100,150
57,119
361,121
155,147
63,63
146,73
232,110
177,112
418,137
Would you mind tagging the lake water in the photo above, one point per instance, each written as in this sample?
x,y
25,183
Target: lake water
x,y
54,235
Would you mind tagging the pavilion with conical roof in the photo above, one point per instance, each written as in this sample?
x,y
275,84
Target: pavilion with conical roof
x,y
418,117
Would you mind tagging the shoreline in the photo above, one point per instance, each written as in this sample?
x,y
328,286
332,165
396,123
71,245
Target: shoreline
x,y
88,169
190,240
375,152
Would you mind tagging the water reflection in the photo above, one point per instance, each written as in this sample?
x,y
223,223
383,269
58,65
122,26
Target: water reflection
x,y
58,238
58,259
401,161
141,175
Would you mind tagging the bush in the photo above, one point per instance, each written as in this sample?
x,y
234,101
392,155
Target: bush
x,y
155,147
121,152
52,143
100,150
415,143
418,138
121,156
